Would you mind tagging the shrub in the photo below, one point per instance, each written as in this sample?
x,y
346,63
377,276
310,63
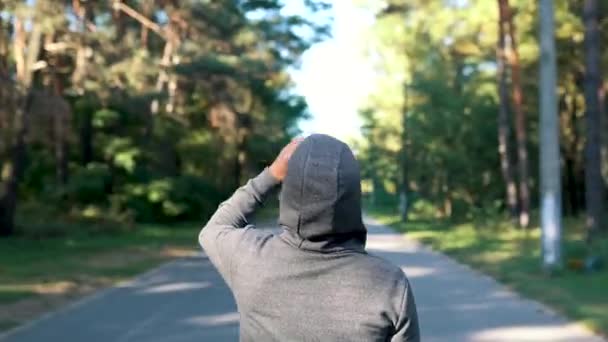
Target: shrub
x,y
170,199
37,219
90,184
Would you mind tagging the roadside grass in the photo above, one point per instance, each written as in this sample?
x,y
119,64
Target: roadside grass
x,y
37,275
512,256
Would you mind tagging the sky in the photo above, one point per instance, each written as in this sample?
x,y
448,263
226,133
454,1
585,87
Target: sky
x,y
334,76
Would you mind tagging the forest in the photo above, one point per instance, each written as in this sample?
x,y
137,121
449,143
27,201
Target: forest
x,y
114,112
486,138
457,105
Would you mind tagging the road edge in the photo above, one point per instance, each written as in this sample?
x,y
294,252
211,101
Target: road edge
x,y
89,298
505,288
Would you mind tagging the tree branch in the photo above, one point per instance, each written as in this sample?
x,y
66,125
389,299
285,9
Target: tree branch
x,y
119,5
57,47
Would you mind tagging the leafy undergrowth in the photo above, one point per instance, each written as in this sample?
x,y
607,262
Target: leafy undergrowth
x,y
512,256
37,275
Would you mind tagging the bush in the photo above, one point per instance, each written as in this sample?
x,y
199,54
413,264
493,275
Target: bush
x,y
95,201
36,219
170,199
90,184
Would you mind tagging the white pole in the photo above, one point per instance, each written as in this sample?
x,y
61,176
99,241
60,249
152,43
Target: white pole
x,y
550,179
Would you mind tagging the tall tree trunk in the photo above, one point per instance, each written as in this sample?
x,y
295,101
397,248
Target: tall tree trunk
x,y
80,68
568,109
86,137
593,160
404,200
447,196
404,193
604,134
4,82
4,48
172,89
119,22
163,77
504,129
147,8
520,117
8,200
571,185
571,160
61,149
86,132
550,179
61,130
25,57
60,116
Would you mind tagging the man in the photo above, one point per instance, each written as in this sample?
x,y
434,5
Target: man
x,y
313,281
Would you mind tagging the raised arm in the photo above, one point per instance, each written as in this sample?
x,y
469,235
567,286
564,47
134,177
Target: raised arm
x,y
222,235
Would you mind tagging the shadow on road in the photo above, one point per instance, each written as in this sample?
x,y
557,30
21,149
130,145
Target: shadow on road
x,y
182,301
456,303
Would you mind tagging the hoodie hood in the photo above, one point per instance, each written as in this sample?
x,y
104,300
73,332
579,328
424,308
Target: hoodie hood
x,y
320,201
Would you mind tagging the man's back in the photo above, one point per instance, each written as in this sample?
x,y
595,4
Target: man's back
x,y
314,281
288,294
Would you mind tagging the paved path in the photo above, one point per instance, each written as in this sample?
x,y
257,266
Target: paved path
x,y
186,301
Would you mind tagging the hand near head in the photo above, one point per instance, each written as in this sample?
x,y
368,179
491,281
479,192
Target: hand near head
x,y
278,169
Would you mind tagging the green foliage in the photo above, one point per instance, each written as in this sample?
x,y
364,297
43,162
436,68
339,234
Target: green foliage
x,y
147,124
122,153
90,184
430,125
105,119
170,199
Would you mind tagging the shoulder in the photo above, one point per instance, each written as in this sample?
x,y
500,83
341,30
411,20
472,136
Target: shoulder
x,y
381,273
382,265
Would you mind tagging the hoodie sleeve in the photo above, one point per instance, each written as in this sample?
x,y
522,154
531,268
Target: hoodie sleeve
x,y
407,328
222,235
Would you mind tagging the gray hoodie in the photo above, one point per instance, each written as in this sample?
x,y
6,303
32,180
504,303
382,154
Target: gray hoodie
x,y
313,281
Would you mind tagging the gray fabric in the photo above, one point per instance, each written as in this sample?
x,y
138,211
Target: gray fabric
x,y
320,203
313,281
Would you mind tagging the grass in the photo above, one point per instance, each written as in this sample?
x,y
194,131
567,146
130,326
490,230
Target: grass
x,y
55,262
512,256
28,261
54,270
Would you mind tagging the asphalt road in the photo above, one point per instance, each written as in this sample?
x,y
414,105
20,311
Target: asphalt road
x,y
187,301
